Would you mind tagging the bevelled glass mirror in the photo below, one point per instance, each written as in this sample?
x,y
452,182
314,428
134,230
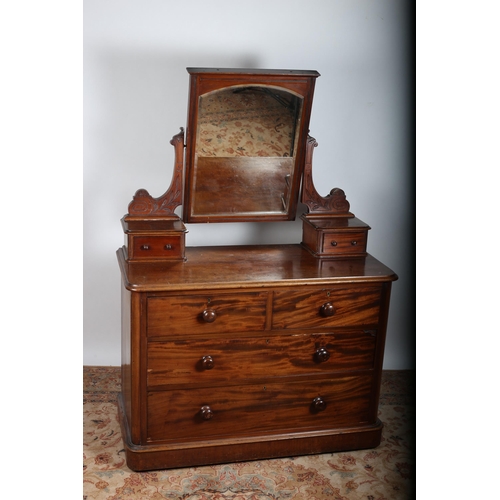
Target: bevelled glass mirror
x,y
245,143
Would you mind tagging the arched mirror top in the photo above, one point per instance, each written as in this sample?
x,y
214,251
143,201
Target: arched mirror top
x,y
248,120
245,143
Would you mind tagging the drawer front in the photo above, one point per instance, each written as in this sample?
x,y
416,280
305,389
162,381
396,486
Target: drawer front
x,y
183,315
345,243
256,409
221,361
349,306
156,247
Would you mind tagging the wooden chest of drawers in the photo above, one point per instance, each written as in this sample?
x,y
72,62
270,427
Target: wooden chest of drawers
x,y
245,353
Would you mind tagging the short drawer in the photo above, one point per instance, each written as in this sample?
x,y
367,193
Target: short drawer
x,y
202,314
344,243
256,409
325,308
221,361
156,247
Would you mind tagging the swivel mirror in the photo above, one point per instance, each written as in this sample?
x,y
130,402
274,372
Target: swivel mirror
x,y
245,143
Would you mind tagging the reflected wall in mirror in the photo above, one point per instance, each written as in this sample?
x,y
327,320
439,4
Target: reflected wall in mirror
x,y
245,143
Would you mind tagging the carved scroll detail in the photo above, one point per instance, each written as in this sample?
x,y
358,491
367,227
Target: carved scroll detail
x,y
143,204
334,203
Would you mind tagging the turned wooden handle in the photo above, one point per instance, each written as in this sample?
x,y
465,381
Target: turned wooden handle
x,y
206,412
319,404
209,315
321,355
327,309
207,362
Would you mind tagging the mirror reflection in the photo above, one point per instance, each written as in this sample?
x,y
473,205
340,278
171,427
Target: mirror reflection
x,y
245,150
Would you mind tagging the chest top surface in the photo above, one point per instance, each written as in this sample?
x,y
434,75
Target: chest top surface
x,y
248,266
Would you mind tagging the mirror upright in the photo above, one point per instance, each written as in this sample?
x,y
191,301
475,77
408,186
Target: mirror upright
x,y
245,157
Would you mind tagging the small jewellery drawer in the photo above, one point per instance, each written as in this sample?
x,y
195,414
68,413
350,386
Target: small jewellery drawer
x,y
349,306
192,414
347,243
181,315
156,247
335,236
221,361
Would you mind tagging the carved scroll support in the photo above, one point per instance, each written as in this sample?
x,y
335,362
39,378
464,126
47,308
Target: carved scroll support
x,y
334,204
144,205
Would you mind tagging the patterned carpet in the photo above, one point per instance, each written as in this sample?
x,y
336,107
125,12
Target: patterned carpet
x,y
387,472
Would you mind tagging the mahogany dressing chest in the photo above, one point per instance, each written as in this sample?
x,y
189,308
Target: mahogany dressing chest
x,y
233,353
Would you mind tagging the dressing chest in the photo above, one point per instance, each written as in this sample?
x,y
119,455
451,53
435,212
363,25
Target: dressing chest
x,y
234,353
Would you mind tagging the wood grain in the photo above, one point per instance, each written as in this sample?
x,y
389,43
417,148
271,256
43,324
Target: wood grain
x,y
178,314
239,267
238,360
257,409
301,308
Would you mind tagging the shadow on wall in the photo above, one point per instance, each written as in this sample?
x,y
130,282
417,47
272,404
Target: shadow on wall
x,y
136,101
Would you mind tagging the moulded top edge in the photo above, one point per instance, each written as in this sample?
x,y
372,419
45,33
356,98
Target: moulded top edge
x,y
254,71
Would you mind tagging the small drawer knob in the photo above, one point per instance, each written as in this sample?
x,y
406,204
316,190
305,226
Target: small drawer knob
x,y
168,246
206,412
327,309
354,243
319,404
209,315
321,355
207,362
144,247
333,243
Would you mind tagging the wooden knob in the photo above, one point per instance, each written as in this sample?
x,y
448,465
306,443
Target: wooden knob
x,y
207,362
209,315
144,247
321,355
327,309
354,243
333,243
206,412
318,404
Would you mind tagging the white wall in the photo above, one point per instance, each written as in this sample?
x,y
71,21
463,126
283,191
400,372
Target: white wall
x,y
135,100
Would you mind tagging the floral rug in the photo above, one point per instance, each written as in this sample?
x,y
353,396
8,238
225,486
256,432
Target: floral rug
x,y
387,472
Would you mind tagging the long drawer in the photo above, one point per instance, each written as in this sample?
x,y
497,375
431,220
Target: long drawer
x,y
324,308
180,314
205,413
209,361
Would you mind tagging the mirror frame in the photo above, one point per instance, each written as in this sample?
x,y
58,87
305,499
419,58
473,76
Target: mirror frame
x,y
207,80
